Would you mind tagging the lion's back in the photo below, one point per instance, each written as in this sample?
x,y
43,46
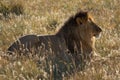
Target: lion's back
x,y
52,42
26,41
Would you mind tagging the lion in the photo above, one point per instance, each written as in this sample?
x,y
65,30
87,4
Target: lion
x,y
76,37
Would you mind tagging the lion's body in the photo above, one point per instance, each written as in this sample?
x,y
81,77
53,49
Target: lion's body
x,y
77,35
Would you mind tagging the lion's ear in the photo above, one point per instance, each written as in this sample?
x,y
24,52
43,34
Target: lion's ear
x,y
79,21
82,18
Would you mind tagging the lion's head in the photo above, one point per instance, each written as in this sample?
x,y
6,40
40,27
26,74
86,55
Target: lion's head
x,y
87,28
86,31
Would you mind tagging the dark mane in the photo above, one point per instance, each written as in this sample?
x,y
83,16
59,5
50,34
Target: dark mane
x,y
67,31
71,22
68,26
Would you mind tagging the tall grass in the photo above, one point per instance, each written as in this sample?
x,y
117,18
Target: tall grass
x,y
45,17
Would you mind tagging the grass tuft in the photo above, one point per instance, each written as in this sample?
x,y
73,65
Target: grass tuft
x,y
44,17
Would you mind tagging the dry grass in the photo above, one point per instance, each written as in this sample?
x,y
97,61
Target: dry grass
x,y
44,17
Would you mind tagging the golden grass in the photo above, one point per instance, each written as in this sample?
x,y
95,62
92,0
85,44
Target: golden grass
x,y
44,17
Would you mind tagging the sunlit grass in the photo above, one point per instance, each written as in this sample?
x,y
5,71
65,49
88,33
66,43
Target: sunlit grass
x,y
45,17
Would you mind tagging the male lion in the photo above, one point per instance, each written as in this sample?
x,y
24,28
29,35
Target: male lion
x,y
77,34
75,37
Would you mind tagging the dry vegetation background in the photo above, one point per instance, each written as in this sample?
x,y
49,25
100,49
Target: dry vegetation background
x,y
21,17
